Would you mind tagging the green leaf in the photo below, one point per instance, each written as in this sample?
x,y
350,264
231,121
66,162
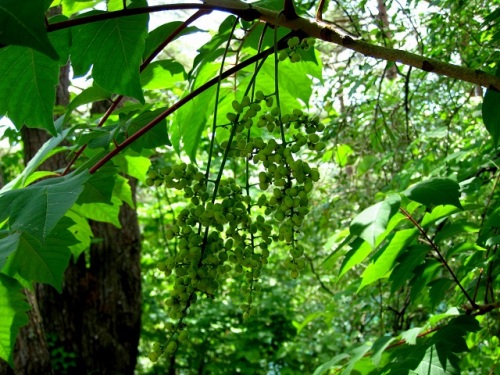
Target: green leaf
x,y
156,137
437,213
411,335
134,166
101,211
48,259
407,261
323,369
89,95
359,251
373,221
378,348
453,229
438,289
446,343
164,74
123,191
491,114
309,318
13,307
431,364
27,87
99,188
38,208
25,26
386,256
8,245
161,33
210,50
45,151
435,191
342,153
357,354
71,7
81,231
114,48
189,123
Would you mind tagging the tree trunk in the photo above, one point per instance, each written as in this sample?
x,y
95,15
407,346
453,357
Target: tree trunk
x,y
93,326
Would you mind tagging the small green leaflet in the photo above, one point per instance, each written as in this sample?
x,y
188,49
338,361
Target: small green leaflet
x,y
7,246
38,208
435,191
13,307
386,257
48,258
48,147
27,81
99,187
325,367
411,335
378,348
164,74
89,95
161,33
342,153
491,114
24,25
114,48
373,221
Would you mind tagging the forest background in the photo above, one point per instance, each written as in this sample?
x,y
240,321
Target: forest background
x,y
314,191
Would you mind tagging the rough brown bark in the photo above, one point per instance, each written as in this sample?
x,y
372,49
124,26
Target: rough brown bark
x,y
94,324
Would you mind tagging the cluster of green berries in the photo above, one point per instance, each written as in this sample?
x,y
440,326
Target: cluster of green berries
x,y
289,178
294,45
227,230
179,334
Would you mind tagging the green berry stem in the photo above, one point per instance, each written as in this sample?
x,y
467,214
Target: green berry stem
x,y
160,217
217,94
276,83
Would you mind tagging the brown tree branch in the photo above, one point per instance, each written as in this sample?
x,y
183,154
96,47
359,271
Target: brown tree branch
x,y
312,28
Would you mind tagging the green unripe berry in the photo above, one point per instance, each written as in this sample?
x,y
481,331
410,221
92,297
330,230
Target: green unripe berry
x,y
150,182
153,356
313,138
293,42
171,347
231,116
259,95
283,55
269,102
310,42
294,274
275,111
320,146
245,102
236,106
183,336
255,107
295,57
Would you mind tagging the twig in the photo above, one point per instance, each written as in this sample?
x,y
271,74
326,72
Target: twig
x,y
441,258
313,29
319,11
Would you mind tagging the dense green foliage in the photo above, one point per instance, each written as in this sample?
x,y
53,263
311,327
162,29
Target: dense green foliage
x,y
304,209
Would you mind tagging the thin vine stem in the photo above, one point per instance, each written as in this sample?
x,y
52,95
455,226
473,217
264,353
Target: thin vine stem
x,y
216,105
441,258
